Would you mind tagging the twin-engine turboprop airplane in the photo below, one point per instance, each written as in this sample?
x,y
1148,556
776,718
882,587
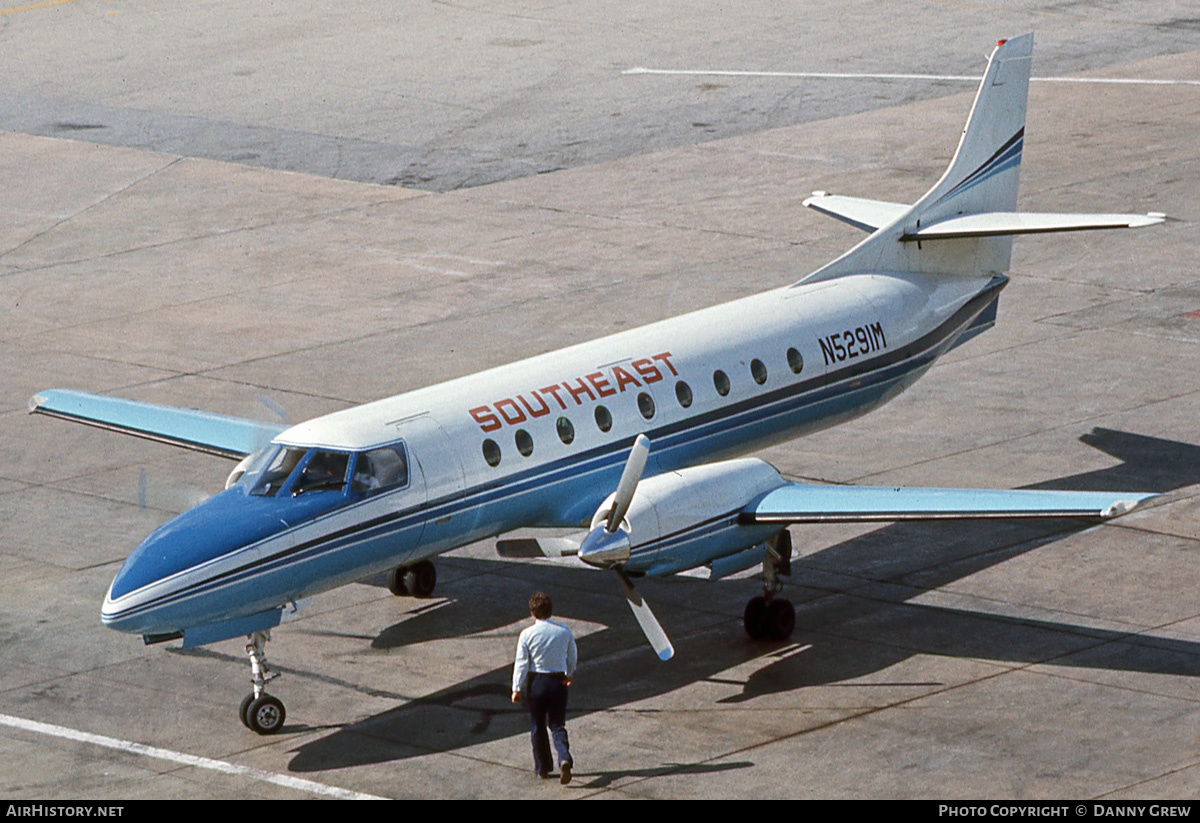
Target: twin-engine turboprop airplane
x,y
626,439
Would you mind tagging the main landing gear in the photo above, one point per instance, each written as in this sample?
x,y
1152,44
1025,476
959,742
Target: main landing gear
x,y
416,580
770,617
260,711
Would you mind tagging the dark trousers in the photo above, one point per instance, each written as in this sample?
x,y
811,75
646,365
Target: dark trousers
x,y
547,697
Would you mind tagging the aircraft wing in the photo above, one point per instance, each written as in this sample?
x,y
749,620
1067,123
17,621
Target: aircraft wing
x,y
217,434
805,503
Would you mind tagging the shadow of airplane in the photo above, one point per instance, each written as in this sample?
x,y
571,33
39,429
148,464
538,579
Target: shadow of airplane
x,y
854,618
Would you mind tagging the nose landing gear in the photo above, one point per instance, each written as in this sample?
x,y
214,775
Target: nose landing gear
x,y
260,711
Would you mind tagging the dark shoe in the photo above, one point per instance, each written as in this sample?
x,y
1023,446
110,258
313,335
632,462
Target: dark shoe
x,y
544,775
565,777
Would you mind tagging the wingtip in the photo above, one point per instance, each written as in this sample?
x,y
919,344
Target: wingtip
x,y
1120,507
1141,221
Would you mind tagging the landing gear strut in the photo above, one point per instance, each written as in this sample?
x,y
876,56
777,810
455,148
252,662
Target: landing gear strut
x,y
260,711
771,617
416,580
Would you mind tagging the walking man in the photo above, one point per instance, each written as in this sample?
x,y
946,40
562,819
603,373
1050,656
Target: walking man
x,y
546,658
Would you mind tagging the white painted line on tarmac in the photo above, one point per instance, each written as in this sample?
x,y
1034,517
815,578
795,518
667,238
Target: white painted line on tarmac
x,y
129,746
822,75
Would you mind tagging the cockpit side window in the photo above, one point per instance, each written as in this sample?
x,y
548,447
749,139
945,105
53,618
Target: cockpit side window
x,y
248,471
275,475
324,471
380,469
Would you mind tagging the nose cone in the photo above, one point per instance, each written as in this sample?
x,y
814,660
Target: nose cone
x,y
159,587
605,549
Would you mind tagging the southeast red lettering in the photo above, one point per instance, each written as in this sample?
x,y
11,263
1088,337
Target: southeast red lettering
x,y
600,382
518,416
624,378
665,357
487,421
553,392
543,411
514,411
575,392
648,371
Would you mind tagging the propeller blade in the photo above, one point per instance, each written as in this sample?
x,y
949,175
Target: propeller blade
x,y
279,410
173,498
634,467
646,619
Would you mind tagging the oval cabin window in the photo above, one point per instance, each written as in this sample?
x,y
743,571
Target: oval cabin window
x,y
646,405
758,371
524,442
491,452
683,393
721,382
795,361
603,419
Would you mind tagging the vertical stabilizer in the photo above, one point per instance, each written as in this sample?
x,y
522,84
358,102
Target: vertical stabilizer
x,y
985,171
982,178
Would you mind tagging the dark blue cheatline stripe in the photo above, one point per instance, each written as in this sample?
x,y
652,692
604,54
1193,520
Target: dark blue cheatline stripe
x,y
788,400
685,534
1006,157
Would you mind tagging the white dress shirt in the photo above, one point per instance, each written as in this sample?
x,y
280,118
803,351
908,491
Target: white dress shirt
x,y
546,647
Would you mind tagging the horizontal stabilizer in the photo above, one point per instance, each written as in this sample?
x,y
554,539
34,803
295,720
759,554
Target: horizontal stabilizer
x,y
217,434
859,212
995,224
804,503
539,546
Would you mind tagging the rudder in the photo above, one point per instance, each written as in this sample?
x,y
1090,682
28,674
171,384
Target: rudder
x,y
984,174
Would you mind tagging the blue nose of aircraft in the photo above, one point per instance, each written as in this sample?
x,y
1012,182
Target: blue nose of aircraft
x,y
198,552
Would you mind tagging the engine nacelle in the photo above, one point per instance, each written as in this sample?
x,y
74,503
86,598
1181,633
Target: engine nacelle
x,y
683,519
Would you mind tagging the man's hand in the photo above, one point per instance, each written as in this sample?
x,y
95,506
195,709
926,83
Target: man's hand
x,y
566,681
516,697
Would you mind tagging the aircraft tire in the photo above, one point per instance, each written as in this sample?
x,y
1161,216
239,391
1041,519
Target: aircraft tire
x,y
395,581
781,619
754,619
420,579
265,714
243,710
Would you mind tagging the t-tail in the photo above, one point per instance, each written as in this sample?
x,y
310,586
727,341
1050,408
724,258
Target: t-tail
x,y
966,222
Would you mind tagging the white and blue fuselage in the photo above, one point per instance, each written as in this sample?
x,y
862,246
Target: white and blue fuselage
x,y
541,442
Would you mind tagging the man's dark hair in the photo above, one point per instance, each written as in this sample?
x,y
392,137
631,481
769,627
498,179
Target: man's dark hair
x,y
540,606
